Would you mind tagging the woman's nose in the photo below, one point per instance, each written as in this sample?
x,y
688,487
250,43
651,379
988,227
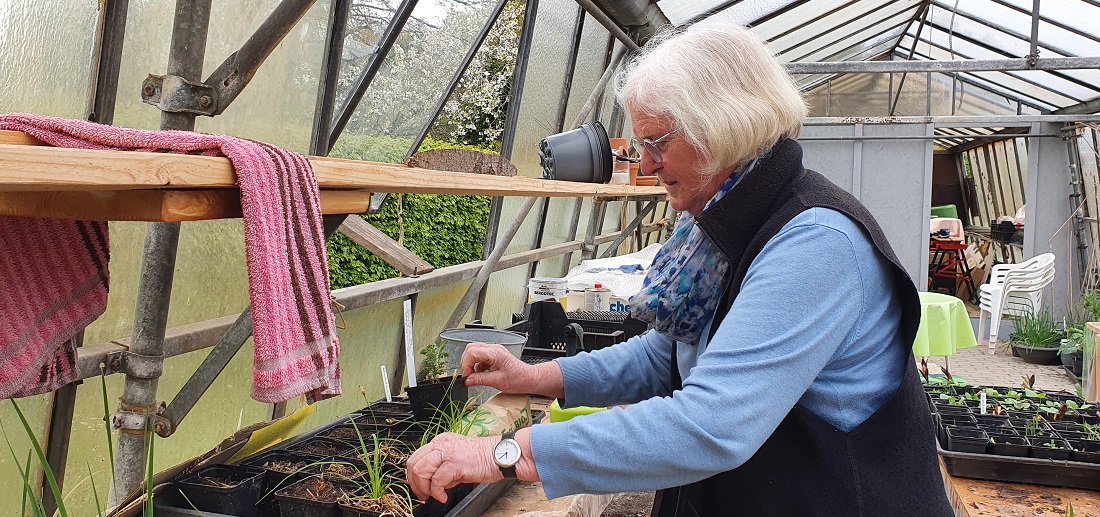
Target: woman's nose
x,y
648,167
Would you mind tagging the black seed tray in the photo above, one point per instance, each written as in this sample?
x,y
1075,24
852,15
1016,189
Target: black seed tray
x,y
1069,474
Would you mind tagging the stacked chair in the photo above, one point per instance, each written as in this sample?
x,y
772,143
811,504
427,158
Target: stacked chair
x,y
1014,290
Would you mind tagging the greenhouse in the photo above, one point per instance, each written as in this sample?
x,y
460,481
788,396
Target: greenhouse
x,y
235,236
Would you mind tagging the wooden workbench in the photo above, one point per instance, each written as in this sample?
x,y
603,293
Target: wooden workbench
x,y
980,498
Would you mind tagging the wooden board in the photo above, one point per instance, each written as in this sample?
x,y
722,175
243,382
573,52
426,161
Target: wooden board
x,y
155,205
980,498
387,249
38,168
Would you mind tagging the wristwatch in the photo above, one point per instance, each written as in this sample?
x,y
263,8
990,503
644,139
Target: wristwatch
x,y
506,454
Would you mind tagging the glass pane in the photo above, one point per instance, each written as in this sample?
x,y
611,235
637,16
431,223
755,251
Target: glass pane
x,y
744,12
850,19
806,13
1077,14
969,50
417,69
1014,43
42,76
1007,82
883,41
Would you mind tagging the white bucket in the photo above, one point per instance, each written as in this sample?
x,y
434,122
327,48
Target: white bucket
x,y
540,289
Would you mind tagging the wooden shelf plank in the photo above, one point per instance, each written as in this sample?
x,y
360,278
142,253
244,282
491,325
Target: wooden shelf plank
x,y
981,498
155,205
36,168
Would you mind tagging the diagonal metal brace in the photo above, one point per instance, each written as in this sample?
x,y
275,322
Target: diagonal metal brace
x,y
174,94
629,228
206,373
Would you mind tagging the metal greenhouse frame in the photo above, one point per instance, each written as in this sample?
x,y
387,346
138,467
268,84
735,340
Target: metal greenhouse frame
x,y
1044,139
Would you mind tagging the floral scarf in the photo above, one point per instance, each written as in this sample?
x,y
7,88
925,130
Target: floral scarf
x,y
683,285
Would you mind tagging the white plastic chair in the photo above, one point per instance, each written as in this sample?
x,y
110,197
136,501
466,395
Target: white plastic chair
x,y
1014,290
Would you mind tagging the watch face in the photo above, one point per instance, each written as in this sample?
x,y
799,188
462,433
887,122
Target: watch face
x,y
506,453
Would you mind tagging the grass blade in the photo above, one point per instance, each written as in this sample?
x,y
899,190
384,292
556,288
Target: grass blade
x,y
107,418
28,491
99,509
149,475
42,460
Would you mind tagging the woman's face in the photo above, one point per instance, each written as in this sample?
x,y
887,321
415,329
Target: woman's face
x,y
688,189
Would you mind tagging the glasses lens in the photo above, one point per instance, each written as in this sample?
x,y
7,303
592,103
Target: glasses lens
x,y
650,148
653,151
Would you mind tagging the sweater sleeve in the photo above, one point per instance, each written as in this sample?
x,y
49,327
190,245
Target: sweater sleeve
x,y
800,299
641,368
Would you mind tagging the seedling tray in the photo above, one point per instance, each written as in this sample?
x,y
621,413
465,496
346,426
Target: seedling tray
x,y
1035,471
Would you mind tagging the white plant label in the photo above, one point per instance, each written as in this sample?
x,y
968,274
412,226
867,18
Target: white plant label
x,y
410,358
981,402
386,384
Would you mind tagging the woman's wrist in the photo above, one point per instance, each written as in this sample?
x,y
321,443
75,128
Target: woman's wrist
x,y
548,380
525,469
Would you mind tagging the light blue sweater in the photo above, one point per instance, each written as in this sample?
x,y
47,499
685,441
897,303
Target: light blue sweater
x,y
815,323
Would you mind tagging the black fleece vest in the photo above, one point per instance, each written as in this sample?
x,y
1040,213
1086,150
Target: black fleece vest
x,y
887,466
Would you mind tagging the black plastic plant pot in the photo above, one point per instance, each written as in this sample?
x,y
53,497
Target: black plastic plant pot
x,y
320,446
394,407
228,489
998,429
372,422
957,419
1050,448
433,508
1008,445
991,420
1086,451
1073,427
967,439
944,408
283,469
1037,355
1092,416
312,497
430,399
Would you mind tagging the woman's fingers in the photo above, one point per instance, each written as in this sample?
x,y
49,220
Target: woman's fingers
x,y
448,460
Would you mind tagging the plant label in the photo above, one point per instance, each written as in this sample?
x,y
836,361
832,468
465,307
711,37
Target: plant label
x,y
981,401
386,384
410,358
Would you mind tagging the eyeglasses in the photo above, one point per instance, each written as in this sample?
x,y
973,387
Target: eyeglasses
x,y
651,146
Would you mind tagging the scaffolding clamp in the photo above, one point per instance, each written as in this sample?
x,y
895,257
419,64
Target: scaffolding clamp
x,y
174,94
138,419
135,365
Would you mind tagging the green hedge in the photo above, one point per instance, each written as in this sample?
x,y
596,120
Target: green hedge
x,y
444,230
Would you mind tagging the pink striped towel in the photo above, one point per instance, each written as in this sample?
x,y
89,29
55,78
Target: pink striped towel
x,y
296,347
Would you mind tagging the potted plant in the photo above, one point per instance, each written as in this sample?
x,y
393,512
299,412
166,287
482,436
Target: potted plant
x,y
230,489
436,388
1037,337
376,493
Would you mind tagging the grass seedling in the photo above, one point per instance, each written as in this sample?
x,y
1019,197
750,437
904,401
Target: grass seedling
x,y
37,449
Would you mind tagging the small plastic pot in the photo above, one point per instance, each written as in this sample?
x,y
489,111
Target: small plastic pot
x,y
228,489
428,399
1061,450
967,439
433,508
1086,451
303,465
1009,445
293,500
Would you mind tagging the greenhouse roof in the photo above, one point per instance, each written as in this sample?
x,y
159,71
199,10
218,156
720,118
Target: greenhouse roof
x,y
941,30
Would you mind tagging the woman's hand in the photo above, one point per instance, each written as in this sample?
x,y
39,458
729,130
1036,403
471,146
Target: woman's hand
x,y
451,459
493,365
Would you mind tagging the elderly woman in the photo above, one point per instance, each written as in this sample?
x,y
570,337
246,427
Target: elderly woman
x,y
777,378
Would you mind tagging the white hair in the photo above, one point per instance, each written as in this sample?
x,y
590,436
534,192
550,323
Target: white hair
x,y
721,85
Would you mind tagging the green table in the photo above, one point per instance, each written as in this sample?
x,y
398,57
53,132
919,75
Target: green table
x,y
944,326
